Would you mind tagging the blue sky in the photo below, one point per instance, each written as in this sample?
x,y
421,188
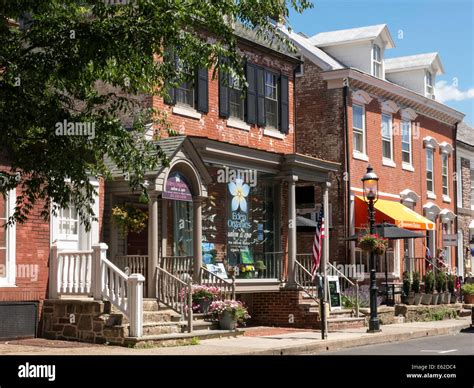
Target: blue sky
x,y
443,26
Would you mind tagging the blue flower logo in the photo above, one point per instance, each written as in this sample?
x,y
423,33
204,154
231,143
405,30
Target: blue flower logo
x,y
239,191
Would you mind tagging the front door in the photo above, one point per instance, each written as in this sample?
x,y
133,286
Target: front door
x,y
182,216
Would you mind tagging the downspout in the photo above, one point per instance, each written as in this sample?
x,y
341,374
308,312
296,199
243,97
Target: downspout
x,y
346,176
455,191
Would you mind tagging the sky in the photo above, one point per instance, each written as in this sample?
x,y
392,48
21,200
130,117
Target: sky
x,y
416,26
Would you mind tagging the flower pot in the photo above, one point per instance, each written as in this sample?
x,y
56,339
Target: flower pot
x,y
469,298
434,299
417,300
204,305
411,299
454,298
447,298
426,299
227,321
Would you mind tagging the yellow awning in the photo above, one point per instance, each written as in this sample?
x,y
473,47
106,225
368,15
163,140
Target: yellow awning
x,y
401,216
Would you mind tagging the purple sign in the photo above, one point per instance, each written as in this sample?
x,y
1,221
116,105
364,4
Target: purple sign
x,y
177,188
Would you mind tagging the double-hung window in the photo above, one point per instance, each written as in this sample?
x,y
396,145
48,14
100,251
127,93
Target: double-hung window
x,y
358,128
271,99
7,241
69,223
376,61
236,100
387,138
429,90
185,91
445,174
429,170
406,142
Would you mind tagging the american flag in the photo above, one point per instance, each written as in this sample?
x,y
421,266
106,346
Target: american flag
x,y
318,243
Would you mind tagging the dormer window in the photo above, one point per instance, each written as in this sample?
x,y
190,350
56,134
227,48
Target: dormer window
x,y
429,91
376,61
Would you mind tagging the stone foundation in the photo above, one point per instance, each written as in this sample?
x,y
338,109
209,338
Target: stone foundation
x,y
386,314
428,313
82,320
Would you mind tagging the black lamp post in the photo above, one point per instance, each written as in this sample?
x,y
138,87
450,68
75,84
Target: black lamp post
x,y
370,183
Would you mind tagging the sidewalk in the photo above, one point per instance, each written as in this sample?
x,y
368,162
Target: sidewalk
x,y
257,341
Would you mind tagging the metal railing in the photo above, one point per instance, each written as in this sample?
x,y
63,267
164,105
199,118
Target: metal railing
x,y
303,279
382,264
420,264
226,286
176,294
177,265
273,262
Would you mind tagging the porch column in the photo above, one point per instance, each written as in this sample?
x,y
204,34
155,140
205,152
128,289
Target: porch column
x,y
152,243
291,228
197,237
113,232
325,256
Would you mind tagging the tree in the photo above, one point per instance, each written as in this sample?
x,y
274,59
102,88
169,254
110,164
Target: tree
x,y
53,60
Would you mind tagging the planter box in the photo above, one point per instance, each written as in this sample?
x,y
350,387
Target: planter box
x,y
468,299
426,299
417,300
454,298
227,322
434,299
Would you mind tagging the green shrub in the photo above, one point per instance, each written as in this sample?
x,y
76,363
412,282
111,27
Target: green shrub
x,y
429,282
406,283
468,289
451,282
416,282
441,281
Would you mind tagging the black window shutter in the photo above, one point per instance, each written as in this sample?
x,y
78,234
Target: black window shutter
x,y
202,90
170,96
224,108
261,122
284,104
251,100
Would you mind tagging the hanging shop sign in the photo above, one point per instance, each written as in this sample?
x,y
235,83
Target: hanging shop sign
x,y
450,240
177,188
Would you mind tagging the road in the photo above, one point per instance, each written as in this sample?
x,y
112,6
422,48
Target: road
x,y
455,344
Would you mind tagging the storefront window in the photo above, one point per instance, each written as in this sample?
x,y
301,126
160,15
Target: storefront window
x,y
182,228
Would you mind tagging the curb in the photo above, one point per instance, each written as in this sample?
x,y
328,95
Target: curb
x,y
376,339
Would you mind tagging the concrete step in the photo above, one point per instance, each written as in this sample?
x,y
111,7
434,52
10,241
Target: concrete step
x,y
345,323
465,312
158,328
180,338
202,324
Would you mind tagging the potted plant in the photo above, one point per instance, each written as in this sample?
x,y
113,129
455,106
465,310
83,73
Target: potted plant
x,y
407,297
246,271
129,219
440,286
373,243
429,285
450,284
229,313
468,292
203,296
260,267
416,287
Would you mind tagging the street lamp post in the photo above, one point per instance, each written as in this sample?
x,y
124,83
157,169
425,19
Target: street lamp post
x,y
370,183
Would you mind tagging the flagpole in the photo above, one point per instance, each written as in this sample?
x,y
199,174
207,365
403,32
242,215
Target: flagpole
x,y
324,263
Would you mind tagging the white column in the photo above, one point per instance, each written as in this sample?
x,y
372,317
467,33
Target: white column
x,y
152,243
164,226
197,237
113,231
99,253
291,228
135,307
53,272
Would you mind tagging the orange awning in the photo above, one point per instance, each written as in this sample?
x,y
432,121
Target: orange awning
x,y
393,212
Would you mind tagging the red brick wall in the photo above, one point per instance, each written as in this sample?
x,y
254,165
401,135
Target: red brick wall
x,y
213,127
393,180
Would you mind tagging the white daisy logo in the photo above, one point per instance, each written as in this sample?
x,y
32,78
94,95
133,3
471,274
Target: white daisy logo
x,y
239,190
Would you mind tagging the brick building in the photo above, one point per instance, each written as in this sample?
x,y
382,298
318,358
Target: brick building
x,y
357,108
465,198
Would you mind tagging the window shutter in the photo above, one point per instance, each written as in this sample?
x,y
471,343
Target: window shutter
x,y
170,97
224,107
284,104
261,122
202,90
251,101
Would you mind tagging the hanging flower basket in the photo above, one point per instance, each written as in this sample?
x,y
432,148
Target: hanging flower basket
x,y
129,219
373,243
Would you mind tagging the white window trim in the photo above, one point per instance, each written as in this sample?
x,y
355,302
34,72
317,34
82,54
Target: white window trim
x,y
427,86
10,279
362,154
388,161
445,157
234,122
273,132
186,111
357,155
408,167
446,198
430,194
374,62
410,144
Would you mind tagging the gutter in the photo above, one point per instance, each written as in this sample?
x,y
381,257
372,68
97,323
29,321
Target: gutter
x,y
347,180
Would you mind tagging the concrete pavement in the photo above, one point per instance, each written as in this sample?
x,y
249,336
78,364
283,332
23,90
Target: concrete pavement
x,y
294,342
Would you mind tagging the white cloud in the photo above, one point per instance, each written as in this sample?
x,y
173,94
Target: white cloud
x,y
448,92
